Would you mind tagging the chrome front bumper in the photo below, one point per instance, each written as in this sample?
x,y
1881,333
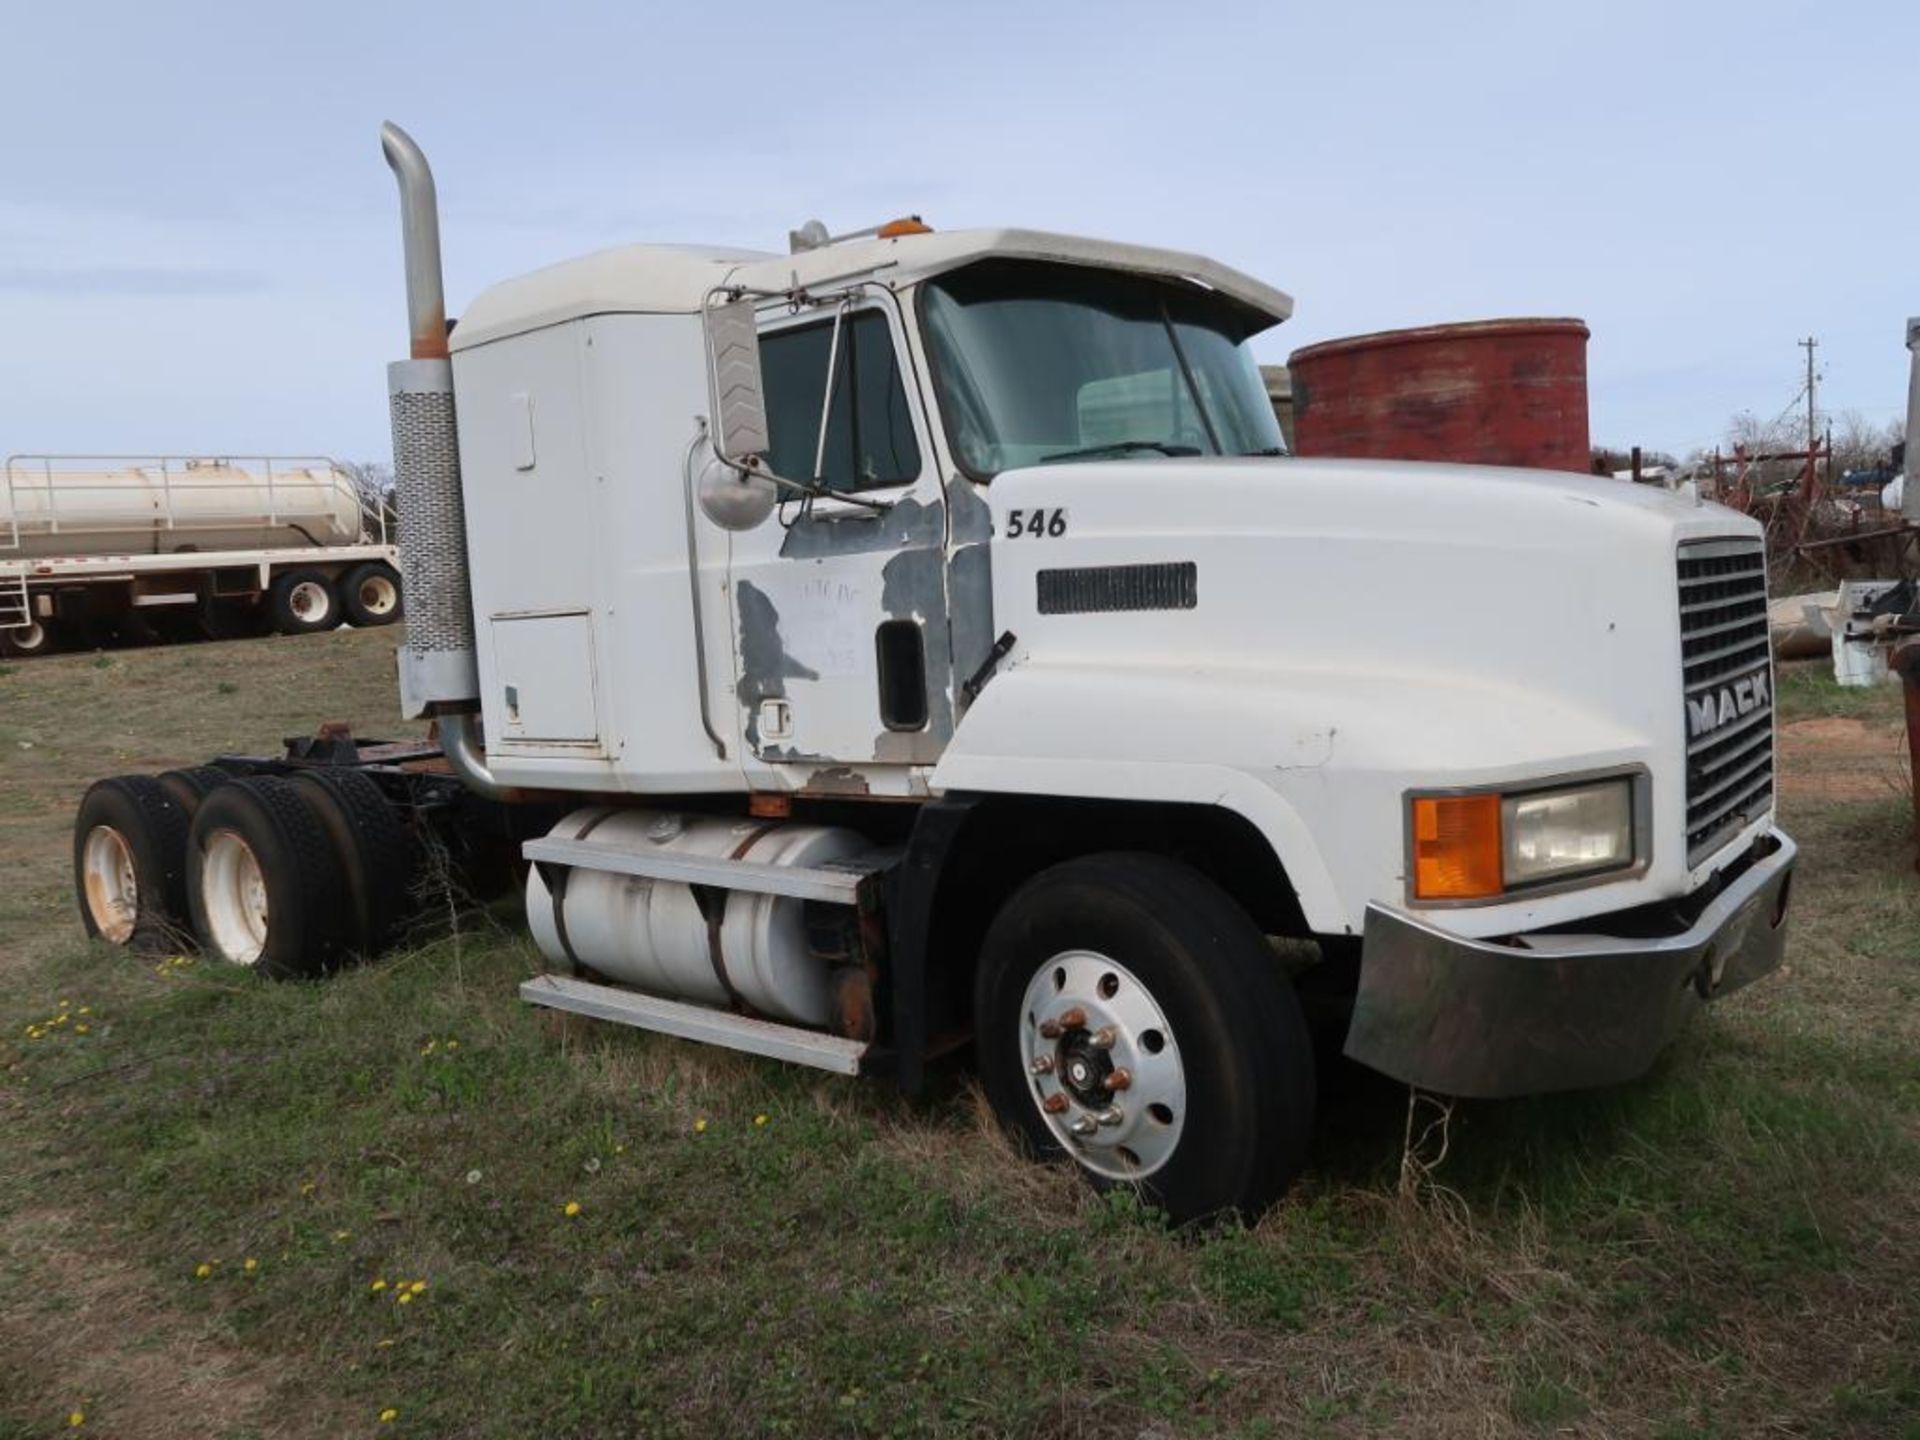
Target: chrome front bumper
x,y
1539,1012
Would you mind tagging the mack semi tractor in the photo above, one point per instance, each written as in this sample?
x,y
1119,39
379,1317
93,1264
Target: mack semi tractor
x,y
177,546
920,642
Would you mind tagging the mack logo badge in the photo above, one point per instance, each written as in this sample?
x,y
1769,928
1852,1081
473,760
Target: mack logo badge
x,y
1726,703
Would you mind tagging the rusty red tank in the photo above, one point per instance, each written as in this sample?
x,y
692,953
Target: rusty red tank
x,y
1487,392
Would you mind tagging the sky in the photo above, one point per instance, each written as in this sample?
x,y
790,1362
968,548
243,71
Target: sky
x,y
199,241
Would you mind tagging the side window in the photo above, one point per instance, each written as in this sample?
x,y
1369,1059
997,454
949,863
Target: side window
x,y
870,441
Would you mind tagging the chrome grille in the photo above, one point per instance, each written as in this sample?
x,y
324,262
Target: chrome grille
x,y
1727,674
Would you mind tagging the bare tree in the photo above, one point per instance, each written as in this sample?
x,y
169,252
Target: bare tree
x,y
378,499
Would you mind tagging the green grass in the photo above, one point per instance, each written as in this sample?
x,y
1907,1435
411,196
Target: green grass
x,y
1729,1247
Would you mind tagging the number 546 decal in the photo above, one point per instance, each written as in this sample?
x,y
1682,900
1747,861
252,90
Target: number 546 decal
x,y
1036,522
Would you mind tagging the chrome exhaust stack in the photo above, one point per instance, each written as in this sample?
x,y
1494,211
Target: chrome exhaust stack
x,y
439,674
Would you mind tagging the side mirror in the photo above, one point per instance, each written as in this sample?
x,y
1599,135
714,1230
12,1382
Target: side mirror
x,y
739,394
735,492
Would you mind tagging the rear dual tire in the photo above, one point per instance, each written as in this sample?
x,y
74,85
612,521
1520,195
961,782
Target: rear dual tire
x,y
303,602
370,595
288,877
129,854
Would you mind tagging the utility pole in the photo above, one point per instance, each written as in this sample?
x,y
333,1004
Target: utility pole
x,y
1813,438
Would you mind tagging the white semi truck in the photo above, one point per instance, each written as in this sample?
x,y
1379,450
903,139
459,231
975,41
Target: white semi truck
x,y
169,546
920,638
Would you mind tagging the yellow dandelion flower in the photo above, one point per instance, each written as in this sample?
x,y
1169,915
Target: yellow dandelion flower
x,y
417,1286
389,1415
570,1209
377,1286
80,1029
343,1235
86,1009
700,1126
453,1044
251,1265
202,1270
759,1119
66,1004
619,1149
76,1418
386,1343
405,1297
307,1188
427,1049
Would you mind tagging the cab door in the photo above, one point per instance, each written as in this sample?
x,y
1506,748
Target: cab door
x,y
842,665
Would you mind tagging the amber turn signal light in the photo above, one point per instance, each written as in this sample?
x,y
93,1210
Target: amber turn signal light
x,y
1456,847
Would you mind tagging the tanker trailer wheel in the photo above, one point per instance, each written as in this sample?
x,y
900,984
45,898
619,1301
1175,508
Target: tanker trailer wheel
x,y
36,637
263,884
370,593
1130,1017
129,863
303,601
372,848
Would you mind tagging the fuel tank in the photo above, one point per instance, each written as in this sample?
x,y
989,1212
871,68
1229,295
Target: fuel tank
x,y
655,936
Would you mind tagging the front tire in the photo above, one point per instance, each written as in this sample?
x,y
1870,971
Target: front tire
x,y
1131,1017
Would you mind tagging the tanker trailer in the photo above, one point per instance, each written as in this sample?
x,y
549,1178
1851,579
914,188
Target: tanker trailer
x,y
145,547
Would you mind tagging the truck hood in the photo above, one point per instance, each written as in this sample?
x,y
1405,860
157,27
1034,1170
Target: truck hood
x,y
1348,630
1528,578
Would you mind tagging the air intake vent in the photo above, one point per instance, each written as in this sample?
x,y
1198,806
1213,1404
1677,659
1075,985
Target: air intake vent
x,y
1106,589
1727,674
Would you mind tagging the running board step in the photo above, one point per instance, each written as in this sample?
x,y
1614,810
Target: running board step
x,y
696,1022
837,886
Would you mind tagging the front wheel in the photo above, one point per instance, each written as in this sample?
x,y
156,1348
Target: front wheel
x,y
1130,1017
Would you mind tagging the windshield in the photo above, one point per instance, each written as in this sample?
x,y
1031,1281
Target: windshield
x,y
1037,363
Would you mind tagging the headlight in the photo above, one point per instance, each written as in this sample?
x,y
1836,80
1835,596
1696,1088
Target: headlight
x,y
1552,834
1480,846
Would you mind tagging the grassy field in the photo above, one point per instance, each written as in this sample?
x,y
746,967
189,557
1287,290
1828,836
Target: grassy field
x,y
238,1209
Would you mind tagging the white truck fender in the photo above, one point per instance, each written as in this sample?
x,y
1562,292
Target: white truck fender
x,y
1027,735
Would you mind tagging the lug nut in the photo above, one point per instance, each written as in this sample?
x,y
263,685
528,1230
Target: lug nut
x,y
1074,1019
1054,1104
1111,1116
1119,1079
1049,1030
1102,1039
1041,1065
1084,1125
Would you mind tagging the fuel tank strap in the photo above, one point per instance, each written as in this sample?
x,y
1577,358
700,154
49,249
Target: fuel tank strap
x,y
557,890
716,914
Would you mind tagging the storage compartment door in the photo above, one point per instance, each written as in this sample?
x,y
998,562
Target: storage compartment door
x,y
545,669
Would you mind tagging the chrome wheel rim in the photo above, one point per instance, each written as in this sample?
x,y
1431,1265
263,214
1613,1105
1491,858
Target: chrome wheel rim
x,y
1102,1065
310,601
233,892
112,888
379,595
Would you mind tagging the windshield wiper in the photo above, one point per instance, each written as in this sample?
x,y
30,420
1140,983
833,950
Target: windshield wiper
x,y
1119,447
1269,451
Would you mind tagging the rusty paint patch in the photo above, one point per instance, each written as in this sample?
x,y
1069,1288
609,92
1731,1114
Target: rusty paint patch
x,y
836,780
